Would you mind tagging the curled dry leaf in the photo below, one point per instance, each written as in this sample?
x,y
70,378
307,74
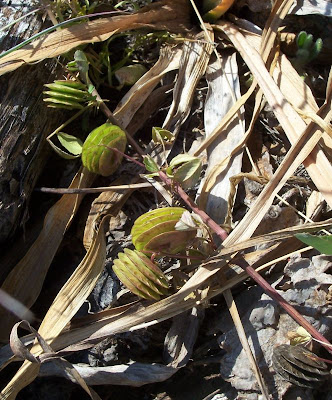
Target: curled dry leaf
x,y
163,15
21,351
64,307
224,88
194,60
135,374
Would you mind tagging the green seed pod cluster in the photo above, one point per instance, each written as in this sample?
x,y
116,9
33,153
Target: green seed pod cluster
x,y
155,231
97,153
307,49
66,94
140,275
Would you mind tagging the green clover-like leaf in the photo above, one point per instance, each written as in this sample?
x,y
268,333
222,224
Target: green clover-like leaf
x,y
320,243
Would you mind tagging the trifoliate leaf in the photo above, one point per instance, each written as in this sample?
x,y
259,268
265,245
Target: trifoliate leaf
x,y
320,243
71,143
160,135
150,164
62,153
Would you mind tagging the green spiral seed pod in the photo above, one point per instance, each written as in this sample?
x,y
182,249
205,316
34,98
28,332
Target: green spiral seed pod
x,y
66,94
155,231
140,275
97,153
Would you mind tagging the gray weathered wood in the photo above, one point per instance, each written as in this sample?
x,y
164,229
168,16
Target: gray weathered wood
x,y
24,120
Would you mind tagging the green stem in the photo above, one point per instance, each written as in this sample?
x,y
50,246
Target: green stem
x,y
58,129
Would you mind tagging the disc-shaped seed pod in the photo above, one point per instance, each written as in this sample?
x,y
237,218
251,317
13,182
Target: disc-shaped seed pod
x,y
155,231
140,275
299,366
97,153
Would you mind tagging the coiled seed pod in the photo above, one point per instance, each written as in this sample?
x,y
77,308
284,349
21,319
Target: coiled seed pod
x,y
66,94
155,231
140,275
97,153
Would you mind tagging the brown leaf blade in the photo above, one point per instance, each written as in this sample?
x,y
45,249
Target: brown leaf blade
x,y
155,16
64,307
25,281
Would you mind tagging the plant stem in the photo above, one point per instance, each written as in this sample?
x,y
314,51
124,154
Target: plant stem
x,y
71,119
283,303
205,218
94,190
244,265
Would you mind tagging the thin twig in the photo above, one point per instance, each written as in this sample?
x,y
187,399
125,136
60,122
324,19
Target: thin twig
x,y
94,190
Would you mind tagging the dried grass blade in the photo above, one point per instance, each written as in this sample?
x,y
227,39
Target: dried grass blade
x,y
293,87
270,237
64,307
193,63
25,281
266,49
298,152
169,60
317,165
222,78
244,341
279,11
156,16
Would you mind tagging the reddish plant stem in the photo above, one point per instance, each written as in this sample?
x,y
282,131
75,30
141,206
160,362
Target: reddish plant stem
x,y
244,265
283,303
322,359
124,155
240,261
205,218
108,113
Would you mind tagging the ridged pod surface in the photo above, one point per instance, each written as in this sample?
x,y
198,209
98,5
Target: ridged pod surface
x,y
155,231
97,153
66,94
140,275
